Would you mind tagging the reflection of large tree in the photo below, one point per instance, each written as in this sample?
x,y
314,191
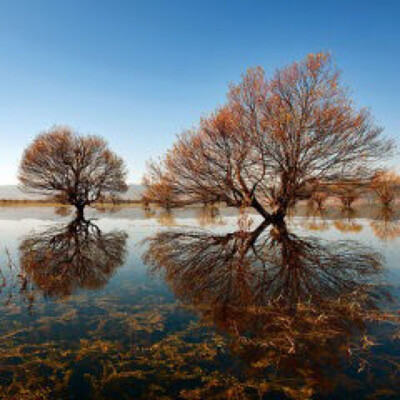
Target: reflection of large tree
x,y
289,302
270,265
67,257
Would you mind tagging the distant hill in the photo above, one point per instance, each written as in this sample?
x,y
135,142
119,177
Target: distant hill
x,y
12,192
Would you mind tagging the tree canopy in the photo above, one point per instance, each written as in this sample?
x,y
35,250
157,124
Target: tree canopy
x,y
273,142
78,170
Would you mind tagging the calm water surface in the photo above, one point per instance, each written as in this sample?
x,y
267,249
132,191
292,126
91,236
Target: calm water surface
x,y
199,305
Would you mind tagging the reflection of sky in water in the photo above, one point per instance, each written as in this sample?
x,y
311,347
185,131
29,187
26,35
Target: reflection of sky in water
x,y
137,310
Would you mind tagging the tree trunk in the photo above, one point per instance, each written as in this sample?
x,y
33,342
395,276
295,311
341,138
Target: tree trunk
x,y
279,215
276,217
260,209
80,212
282,206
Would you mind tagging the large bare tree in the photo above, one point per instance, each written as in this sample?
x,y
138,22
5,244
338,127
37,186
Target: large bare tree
x,y
275,141
78,170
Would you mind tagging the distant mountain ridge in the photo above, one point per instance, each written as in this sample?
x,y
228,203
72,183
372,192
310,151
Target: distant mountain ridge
x,y
13,192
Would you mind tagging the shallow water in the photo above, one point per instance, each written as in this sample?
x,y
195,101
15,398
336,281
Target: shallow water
x,y
148,305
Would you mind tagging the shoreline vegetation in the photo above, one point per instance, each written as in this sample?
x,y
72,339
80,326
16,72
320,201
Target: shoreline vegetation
x,y
318,201
360,207
126,203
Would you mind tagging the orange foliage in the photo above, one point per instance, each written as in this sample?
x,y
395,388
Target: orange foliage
x,y
274,141
78,170
386,185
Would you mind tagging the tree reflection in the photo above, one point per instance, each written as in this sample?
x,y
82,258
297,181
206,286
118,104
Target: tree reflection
x,y
347,222
315,219
166,218
65,258
295,304
386,225
274,264
209,215
63,211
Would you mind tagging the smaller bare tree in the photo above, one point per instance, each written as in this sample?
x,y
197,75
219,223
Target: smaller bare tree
x,y
348,192
77,170
386,186
157,188
319,195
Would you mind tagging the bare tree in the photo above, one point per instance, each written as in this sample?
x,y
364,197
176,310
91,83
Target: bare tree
x,y
275,140
157,188
386,186
319,195
348,191
76,169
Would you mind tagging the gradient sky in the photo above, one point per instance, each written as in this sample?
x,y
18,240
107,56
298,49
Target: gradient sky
x,y
139,72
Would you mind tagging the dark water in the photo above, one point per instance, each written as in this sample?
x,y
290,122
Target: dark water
x,y
137,305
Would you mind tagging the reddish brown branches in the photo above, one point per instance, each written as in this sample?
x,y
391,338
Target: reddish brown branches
x,y
77,170
386,186
273,142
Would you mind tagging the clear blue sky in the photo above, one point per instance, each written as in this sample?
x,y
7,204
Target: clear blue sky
x,y
139,72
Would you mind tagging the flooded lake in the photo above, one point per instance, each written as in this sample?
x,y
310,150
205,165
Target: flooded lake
x,y
199,304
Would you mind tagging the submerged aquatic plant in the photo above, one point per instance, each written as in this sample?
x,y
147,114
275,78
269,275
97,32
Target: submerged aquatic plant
x,y
294,307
